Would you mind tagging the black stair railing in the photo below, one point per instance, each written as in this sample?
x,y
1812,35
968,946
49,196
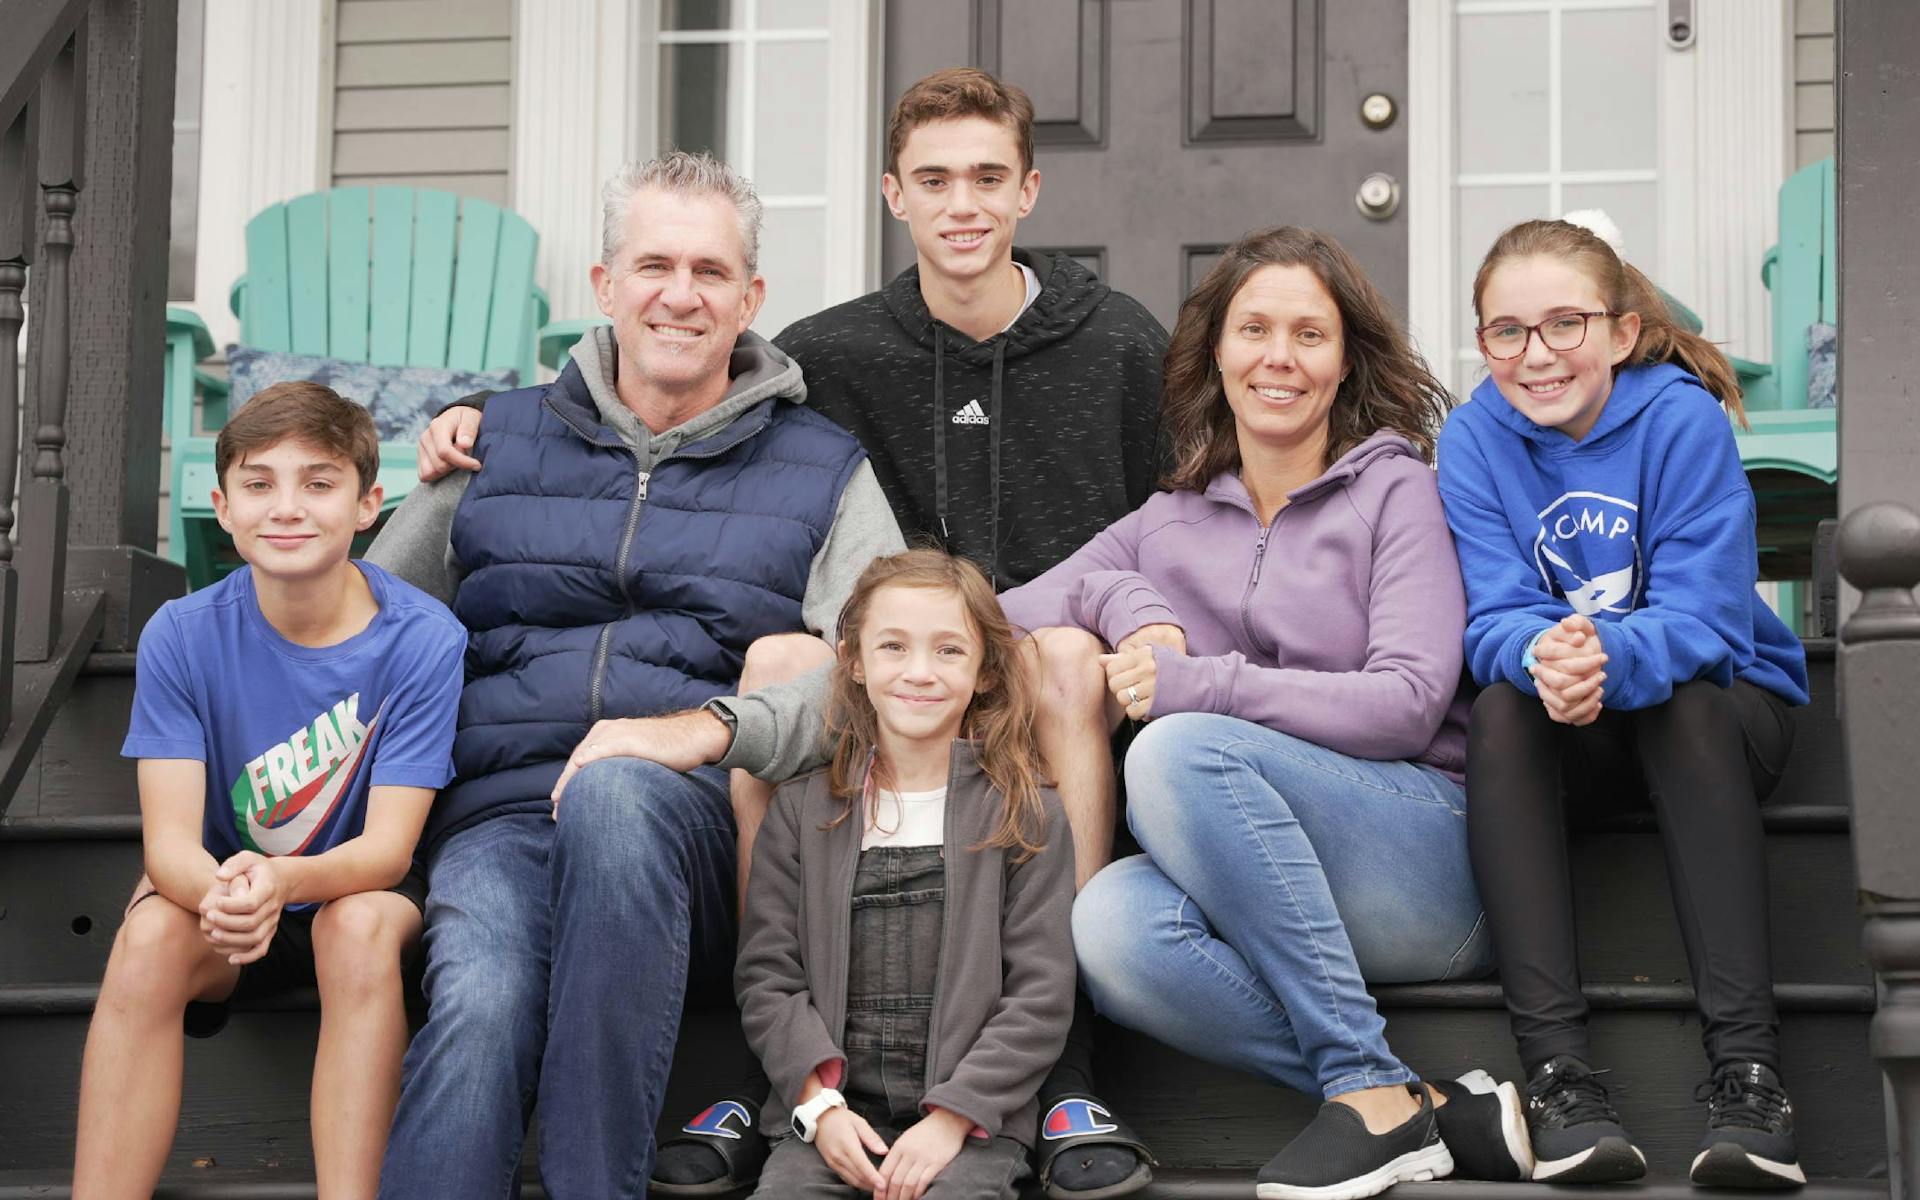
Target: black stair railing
x,y
1879,667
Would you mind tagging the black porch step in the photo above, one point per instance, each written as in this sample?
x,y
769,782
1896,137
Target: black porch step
x,y
219,1184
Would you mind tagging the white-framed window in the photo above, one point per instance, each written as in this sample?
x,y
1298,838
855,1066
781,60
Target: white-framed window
x,y
1557,106
782,90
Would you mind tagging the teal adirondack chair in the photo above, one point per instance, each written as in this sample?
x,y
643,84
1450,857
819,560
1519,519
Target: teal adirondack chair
x,y
1792,453
390,275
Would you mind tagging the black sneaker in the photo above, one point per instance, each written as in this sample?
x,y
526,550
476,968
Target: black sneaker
x,y
1336,1158
1577,1136
1749,1142
1485,1127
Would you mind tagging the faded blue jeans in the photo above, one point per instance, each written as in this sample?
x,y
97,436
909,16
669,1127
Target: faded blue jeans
x,y
1278,878
558,953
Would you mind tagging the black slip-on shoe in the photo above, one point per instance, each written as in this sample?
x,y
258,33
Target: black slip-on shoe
x,y
1484,1125
1749,1141
717,1153
1577,1137
1336,1158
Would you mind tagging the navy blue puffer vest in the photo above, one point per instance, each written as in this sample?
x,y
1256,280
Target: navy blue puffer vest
x,y
593,592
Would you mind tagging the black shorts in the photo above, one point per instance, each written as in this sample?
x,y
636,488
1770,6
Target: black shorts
x,y
288,963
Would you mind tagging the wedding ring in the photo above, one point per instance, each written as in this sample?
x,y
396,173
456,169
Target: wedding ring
x,y
1133,695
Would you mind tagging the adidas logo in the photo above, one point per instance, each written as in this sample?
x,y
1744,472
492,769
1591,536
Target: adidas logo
x,y
972,414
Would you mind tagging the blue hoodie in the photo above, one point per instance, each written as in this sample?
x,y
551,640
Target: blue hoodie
x,y
1646,525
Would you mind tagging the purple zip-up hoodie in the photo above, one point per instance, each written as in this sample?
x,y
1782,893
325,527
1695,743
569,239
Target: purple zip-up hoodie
x,y
1341,623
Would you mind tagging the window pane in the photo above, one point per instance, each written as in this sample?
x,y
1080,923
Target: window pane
x,y
1484,213
1608,89
793,14
1501,73
1635,208
696,14
790,130
693,98
793,259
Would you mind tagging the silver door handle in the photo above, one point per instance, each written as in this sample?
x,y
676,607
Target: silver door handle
x,y
1378,197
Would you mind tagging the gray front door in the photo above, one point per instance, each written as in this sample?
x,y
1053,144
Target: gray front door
x,y
1167,128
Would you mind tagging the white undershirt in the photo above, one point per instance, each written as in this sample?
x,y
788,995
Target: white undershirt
x,y
1033,293
906,819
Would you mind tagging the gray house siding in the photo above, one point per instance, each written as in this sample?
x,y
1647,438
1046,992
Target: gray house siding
x,y
1812,107
422,94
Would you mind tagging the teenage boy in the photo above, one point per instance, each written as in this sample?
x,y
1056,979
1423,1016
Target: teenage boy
x,y
292,723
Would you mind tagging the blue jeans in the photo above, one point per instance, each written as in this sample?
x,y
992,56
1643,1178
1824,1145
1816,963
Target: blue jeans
x,y
558,954
1278,878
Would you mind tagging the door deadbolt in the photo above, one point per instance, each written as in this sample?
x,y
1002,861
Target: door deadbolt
x,y
1378,197
1378,110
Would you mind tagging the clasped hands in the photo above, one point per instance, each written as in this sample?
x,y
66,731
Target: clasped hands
x,y
241,911
1569,670
1130,670
915,1159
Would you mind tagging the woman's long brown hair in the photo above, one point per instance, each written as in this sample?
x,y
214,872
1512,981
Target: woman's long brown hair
x,y
1388,385
1624,290
1000,718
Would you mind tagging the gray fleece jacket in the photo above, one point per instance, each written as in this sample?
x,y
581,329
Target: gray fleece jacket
x,y
1003,996
417,545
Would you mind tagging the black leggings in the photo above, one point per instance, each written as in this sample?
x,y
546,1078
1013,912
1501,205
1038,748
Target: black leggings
x,y
1704,760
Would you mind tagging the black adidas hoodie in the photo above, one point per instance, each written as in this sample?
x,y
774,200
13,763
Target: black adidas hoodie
x,y
1013,451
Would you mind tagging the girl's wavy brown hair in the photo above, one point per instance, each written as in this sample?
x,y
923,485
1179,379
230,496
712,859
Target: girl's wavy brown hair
x,y
1624,290
1388,385
1000,718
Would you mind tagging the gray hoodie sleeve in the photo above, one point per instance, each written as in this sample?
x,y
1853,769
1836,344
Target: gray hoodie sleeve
x,y
863,530
417,542
779,728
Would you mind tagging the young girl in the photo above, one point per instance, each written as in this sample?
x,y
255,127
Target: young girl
x,y
1606,533
906,959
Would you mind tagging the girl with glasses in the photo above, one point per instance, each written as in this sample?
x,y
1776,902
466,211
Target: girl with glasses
x,y
1606,535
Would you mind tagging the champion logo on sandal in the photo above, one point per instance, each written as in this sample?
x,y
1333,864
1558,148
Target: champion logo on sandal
x,y
712,1121
1075,1117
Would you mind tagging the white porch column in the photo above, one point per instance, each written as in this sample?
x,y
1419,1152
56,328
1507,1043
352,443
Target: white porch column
x,y
1722,160
266,122
1433,308
574,101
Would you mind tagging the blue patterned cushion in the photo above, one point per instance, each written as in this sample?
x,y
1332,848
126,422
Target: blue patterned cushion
x,y
401,399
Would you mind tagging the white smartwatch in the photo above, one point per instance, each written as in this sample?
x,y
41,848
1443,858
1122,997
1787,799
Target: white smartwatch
x,y
806,1118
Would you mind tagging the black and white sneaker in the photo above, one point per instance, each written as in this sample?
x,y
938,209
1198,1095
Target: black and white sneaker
x,y
1577,1136
1485,1127
1336,1158
1749,1142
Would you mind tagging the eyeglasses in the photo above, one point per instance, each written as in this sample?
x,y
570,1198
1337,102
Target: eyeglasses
x,y
1560,332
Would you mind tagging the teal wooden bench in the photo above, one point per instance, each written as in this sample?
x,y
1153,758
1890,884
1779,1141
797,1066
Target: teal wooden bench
x,y
395,276
1792,452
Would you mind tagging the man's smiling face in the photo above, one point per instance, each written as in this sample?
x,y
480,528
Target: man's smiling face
x,y
679,291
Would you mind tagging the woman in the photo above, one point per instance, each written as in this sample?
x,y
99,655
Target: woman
x,y
1288,618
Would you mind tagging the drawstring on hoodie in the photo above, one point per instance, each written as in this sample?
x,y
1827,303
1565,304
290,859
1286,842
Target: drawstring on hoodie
x,y
940,419
993,465
940,430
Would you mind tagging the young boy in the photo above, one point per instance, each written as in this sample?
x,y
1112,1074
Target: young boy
x,y
292,723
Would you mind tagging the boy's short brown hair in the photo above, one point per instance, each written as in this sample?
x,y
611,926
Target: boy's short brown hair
x,y
955,93
311,413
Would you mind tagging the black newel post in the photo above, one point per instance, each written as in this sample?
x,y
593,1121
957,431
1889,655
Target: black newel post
x,y
43,497
18,177
1879,662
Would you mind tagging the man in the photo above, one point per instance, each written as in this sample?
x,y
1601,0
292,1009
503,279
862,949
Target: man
x,y
633,527
1041,387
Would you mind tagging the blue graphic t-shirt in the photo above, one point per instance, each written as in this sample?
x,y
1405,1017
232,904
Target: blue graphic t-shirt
x,y
293,736
1645,526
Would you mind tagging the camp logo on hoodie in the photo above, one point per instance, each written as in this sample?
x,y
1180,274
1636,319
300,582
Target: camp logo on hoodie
x,y
1588,550
285,796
